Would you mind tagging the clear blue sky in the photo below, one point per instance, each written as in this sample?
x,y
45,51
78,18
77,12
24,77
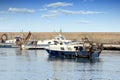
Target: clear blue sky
x,y
53,15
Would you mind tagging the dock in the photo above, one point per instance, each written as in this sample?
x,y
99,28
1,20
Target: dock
x,y
111,46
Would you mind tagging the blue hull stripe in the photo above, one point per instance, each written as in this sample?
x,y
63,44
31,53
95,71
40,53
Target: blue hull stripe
x,y
71,53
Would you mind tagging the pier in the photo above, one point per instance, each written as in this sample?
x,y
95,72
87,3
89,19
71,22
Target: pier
x,y
111,46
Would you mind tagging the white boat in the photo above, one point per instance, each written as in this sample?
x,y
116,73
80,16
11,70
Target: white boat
x,y
42,44
9,44
36,44
64,50
15,43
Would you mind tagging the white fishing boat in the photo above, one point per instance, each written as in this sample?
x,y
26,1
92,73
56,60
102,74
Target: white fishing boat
x,y
85,50
42,44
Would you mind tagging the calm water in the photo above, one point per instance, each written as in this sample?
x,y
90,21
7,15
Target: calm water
x,y
36,65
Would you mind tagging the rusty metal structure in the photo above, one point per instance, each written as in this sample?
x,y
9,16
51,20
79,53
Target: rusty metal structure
x,y
20,41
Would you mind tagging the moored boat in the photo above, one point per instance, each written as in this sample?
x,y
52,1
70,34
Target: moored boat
x,y
33,45
42,44
6,43
84,50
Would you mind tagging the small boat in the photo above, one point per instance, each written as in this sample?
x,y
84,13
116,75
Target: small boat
x,y
8,45
82,50
5,43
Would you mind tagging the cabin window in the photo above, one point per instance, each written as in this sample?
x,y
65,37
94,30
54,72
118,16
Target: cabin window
x,y
62,48
62,38
61,43
80,48
76,47
49,42
32,42
55,42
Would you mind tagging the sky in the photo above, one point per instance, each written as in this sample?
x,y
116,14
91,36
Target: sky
x,y
56,15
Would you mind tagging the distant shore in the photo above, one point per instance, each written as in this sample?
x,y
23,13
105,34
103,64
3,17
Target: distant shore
x,y
103,37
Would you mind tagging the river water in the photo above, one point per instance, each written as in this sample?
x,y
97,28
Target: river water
x,y
37,65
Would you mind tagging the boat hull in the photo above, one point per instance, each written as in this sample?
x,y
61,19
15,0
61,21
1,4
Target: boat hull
x,y
34,47
73,54
8,46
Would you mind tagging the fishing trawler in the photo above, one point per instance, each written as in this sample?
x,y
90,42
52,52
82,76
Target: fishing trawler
x,y
70,50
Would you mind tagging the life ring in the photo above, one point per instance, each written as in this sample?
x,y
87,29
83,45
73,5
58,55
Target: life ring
x,y
4,37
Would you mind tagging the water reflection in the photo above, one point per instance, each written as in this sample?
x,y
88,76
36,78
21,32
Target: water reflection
x,y
21,52
74,69
16,64
79,60
4,51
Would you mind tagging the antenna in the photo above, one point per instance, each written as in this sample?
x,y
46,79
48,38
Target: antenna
x,y
61,31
